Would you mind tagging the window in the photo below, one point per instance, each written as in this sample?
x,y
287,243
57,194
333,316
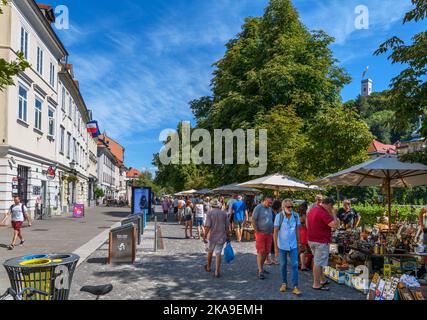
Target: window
x,y
68,145
24,43
51,117
39,60
52,74
22,105
75,115
62,141
63,99
70,106
38,114
74,150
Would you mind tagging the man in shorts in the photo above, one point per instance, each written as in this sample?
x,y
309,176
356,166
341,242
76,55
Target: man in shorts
x,y
321,220
216,232
240,215
262,221
19,213
181,209
199,209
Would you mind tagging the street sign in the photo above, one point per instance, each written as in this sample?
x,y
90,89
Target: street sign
x,y
138,222
122,244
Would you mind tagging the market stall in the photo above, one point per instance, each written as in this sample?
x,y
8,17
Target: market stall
x,y
382,260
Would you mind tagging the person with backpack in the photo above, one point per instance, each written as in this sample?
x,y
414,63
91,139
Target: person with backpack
x,y
286,233
19,214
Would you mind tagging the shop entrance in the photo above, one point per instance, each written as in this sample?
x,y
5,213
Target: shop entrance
x,y
23,184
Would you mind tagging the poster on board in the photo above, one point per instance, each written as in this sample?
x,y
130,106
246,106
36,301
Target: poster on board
x,y
141,200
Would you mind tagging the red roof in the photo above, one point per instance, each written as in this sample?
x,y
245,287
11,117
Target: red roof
x,y
44,6
378,147
133,173
116,148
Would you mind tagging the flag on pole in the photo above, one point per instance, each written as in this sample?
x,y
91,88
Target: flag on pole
x,y
365,72
93,129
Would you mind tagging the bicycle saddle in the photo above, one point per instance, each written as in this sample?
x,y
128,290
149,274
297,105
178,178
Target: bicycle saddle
x,y
98,290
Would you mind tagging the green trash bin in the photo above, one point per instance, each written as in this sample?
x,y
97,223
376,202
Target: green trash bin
x,y
50,273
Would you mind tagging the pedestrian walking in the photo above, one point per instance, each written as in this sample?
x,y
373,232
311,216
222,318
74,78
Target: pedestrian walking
x,y
286,234
321,220
188,215
229,208
165,207
240,216
276,209
304,248
200,213
216,235
175,208
207,209
262,222
181,209
18,213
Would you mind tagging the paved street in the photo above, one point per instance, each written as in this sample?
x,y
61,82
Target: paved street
x,y
58,235
177,273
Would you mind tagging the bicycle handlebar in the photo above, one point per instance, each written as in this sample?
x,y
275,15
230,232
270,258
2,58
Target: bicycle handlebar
x,y
17,296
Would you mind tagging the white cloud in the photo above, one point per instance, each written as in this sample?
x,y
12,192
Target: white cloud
x,y
337,17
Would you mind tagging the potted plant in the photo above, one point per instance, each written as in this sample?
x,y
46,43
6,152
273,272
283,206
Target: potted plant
x,y
99,193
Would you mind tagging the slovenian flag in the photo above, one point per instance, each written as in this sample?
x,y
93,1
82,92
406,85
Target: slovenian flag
x,y
93,129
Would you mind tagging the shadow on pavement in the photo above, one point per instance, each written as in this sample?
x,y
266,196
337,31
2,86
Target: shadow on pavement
x,y
117,214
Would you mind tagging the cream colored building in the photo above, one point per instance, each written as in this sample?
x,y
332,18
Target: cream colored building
x,y
29,109
42,118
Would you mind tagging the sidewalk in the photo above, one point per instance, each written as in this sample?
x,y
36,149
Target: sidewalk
x,y
177,273
61,235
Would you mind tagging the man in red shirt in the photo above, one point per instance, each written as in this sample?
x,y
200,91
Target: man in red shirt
x,y
321,220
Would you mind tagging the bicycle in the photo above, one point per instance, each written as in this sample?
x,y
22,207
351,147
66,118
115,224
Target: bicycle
x,y
97,291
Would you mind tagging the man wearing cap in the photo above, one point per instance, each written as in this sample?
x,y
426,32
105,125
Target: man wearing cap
x,y
216,235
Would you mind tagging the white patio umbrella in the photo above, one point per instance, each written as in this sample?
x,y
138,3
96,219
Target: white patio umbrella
x,y
186,193
279,182
234,188
387,171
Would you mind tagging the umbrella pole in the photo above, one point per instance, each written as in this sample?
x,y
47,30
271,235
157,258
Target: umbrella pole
x,y
338,197
389,202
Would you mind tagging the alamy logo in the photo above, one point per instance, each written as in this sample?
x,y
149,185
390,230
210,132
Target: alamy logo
x,y
362,20
196,146
62,18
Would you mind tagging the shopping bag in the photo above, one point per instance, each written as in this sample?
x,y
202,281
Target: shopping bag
x,y
228,253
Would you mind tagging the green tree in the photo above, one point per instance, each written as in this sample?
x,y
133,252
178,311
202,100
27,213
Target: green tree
x,y
284,140
8,70
408,93
377,112
146,179
336,140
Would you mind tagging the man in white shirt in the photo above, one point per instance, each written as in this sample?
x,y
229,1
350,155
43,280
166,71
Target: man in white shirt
x,y
19,213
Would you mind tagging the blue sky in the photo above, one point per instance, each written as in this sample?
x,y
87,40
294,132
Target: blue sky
x,y
140,62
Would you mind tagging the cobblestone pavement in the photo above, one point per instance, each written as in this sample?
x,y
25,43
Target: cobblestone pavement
x,y
61,234
176,273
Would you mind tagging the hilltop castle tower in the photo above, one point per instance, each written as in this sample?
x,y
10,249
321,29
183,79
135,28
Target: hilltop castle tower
x,y
366,87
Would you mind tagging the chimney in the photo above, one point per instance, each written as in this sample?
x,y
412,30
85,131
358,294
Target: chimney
x,y
47,11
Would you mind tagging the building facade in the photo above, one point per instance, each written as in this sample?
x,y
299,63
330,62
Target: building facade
x,y
111,168
30,108
46,155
